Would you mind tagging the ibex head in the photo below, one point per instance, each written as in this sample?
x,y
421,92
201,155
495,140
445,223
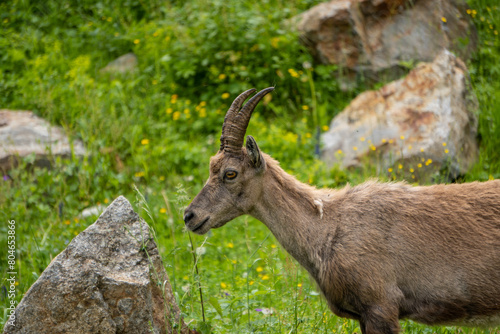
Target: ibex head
x,y
235,180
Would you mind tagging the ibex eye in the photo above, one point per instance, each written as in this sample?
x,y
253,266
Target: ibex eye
x,y
230,174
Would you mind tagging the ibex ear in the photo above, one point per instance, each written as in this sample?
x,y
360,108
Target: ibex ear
x,y
254,153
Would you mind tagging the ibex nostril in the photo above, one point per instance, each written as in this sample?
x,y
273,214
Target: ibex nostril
x,y
188,216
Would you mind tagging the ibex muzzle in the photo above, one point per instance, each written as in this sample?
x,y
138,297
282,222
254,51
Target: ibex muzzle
x,y
379,252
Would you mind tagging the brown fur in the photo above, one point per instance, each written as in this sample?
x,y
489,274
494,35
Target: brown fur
x,y
379,252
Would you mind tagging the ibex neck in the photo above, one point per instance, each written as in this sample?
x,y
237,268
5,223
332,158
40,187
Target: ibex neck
x,y
292,211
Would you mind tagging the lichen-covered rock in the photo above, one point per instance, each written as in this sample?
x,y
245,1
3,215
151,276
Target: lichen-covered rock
x,y
370,36
416,125
110,279
22,133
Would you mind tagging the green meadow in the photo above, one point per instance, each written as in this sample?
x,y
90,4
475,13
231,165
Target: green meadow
x,y
149,135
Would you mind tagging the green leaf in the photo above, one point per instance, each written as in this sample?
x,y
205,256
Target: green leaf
x,y
215,303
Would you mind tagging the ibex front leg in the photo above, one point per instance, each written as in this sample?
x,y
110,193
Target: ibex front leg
x,y
380,320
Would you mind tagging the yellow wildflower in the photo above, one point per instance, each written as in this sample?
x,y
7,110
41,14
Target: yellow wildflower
x,y
411,170
139,174
299,285
355,148
222,76
203,112
389,170
274,42
304,107
400,166
106,201
169,110
137,41
265,277
230,245
259,269
308,135
339,151
325,127
251,282
362,138
443,19
109,19
225,95
203,103
446,151
223,285
402,137
67,222
163,210
273,246
419,165
444,144
384,140
176,115
145,141
428,162
293,73
162,178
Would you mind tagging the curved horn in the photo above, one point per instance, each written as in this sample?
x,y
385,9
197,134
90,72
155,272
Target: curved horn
x,y
233,109
237,125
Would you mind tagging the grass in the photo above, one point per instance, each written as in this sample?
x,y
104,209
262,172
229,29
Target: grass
x,y
156,128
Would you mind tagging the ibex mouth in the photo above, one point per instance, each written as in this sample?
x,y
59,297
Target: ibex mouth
x,y
200,225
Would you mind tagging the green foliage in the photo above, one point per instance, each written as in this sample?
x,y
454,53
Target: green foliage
x,y
156,128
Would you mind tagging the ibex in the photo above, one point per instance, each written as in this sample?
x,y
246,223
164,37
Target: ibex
x,y
379,252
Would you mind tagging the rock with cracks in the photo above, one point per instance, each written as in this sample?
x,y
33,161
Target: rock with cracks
x,y
414,126
22,133
110,279
373,36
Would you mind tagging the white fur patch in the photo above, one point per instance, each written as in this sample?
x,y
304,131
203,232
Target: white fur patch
x,y
319,206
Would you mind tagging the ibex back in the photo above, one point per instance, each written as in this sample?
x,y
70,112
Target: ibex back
x,y
379,252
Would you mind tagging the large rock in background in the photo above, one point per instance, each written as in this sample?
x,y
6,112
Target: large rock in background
x,y
425,121
110,279
22,133
370,36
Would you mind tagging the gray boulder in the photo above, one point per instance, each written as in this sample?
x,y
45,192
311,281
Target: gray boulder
x,y
371,36
22,133
110,279
123,64
416,125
